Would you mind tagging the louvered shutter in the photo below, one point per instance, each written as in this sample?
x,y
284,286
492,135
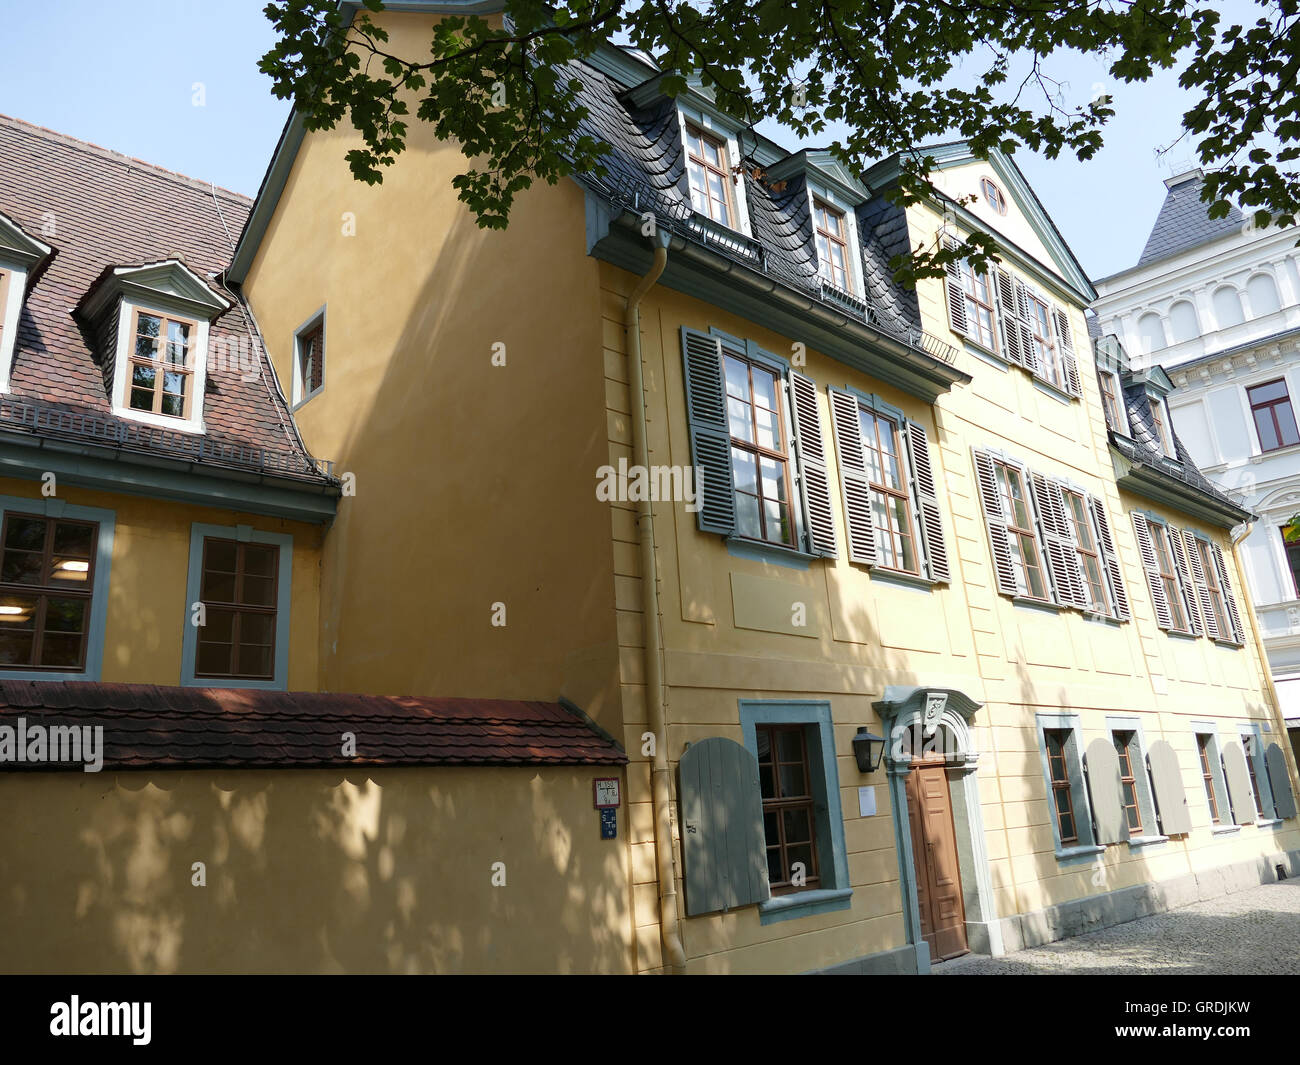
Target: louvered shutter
x,y
1148,552
927,503
811,451
1229,600
1283,797
724,849
1171,796
706,410
991,499
1202,589
1058,536
854,486
1110,559
1187,588
956,293
1238,778
1065,347
1008,316
1028,359
1106,791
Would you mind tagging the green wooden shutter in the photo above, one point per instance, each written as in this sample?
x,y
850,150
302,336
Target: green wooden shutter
x,y
927,503
724,849
1202,589
1058,542
1234,771
1106,792
956,293
1229,600
706,411
1280,780
1065,348
855,488
1187,589
996,522
1171,796
1152,568
814,480
1119,597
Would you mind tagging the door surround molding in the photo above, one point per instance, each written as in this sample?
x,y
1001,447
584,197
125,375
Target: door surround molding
x,y
901,708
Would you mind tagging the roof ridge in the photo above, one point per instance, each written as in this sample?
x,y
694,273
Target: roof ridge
x,y
109,153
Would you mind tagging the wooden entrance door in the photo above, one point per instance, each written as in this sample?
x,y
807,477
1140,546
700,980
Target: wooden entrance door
x,y
934,851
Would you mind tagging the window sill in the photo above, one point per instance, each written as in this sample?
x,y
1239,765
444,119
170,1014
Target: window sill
x,y
1036,604
1182,635
1146,841
1232,645
803,904
1269,822
760,551
192,425
1087,850
984,355
1224,830
905,580
234,683
47,674
1049,389
306,399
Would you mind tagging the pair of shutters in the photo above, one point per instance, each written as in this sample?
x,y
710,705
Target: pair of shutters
x,y
1014,323
1055,534
710,433
856,487
706,405
1105,789
1193,586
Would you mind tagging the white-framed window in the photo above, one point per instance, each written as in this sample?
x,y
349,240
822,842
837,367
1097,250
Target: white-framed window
x,y
308,359
993,195
1162,425
20,254
714,186
835,238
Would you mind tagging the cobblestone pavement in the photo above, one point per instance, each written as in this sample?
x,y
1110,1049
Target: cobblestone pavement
x,y
1252,931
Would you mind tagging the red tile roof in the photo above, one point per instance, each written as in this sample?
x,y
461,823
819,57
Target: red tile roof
x,y
146,726
111,210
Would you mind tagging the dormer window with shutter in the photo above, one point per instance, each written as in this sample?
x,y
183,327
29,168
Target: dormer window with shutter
x,y
21,258
151,326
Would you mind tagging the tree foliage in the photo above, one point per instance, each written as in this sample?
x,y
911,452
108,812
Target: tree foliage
x,y
896,73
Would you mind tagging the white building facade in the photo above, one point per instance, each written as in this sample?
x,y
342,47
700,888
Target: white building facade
x,y
1216,304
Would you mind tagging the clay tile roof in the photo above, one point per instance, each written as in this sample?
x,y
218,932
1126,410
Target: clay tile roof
x,y
108,210
146,726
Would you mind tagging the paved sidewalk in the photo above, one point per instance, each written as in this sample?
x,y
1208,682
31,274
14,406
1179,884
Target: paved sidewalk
x,y
1252,931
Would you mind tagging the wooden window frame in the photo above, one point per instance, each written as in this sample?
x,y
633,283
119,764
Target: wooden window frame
x,y
1219,604
1271,405
160,365
888,493
1163,435
1019,562
724,172
1110,400
238,609
311,334
1085,543
4,302
779,803
993,195
1061,783
1248,749
1044,346
970,282
1123,739
1203,740
44,591
839,239
759,452
1162,545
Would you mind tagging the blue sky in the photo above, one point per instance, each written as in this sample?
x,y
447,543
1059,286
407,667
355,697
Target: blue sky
x,y
81,68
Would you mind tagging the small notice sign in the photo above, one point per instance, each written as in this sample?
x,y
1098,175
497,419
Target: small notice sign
x,y
867,801
604,792
608,823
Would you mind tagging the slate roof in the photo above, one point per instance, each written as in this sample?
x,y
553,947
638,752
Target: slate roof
x,y
1184,223
1143,445
645,166
111,210
160,727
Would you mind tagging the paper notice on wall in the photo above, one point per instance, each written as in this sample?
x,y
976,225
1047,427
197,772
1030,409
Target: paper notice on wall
x,y
867,801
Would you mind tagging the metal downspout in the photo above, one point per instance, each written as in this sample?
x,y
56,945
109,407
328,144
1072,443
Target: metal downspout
x,y
673,953
1279,720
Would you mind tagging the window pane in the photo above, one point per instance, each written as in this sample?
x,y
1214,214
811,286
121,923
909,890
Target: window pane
x,y
61,651
254,661
258,591
213,658
747,520
802,855
220,627
769,432
778,521
1267,435
737,377
220,555
1286,419
73,540
218,587
773,478
798,826
260,559
744,469
775,874
789,746
65,615
1272,390
25,533
15,647
764,388
793,780
257,629
21,567
141,399
739,417
173,406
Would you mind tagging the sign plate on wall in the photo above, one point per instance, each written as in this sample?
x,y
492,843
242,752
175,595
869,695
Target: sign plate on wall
x,y
608,822
604,792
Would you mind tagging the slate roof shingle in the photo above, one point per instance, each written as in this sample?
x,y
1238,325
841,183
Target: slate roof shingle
x,y
1184,223
109,210
146,726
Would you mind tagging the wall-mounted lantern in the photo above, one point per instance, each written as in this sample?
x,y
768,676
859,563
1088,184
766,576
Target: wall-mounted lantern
x,y
868,749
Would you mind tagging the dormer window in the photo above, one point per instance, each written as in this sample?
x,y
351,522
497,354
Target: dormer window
x,y
21,257
151,324
1159,420
832,244
709,172
1110,403
162,366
